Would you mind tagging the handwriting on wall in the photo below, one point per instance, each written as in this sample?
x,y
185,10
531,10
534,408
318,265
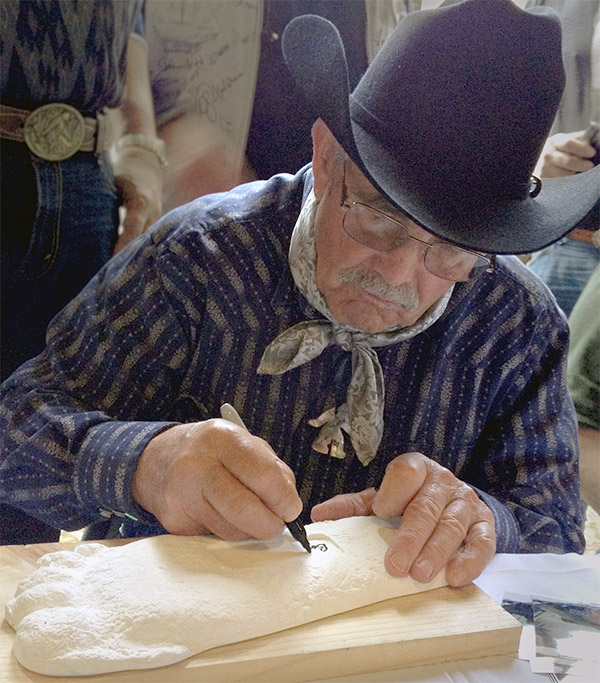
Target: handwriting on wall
x,y
203,58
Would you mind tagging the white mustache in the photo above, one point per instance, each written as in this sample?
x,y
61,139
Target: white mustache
x,y
402,295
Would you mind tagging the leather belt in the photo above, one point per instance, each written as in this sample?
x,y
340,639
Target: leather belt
x,y
581,235
55,131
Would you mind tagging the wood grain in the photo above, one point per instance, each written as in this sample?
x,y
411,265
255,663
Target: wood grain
x,y
445,624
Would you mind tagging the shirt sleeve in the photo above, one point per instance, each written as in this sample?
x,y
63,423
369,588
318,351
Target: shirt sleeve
x,y
73,422
525,465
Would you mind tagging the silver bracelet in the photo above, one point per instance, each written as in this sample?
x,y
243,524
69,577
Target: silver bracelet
x,y
152,144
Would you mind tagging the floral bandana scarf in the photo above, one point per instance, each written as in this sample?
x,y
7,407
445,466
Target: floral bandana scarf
x,y
361,416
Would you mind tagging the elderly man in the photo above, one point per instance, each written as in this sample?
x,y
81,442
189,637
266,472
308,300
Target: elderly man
x,y
384,361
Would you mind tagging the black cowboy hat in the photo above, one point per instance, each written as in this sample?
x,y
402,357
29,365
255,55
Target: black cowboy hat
x,y
450,118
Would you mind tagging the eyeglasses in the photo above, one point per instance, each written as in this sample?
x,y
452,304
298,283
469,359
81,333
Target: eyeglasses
x,y
380,232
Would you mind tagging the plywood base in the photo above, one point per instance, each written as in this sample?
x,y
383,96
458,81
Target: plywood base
x,y
441,625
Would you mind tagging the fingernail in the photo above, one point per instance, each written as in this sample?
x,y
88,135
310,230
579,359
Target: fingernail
x,y
399,563
425,568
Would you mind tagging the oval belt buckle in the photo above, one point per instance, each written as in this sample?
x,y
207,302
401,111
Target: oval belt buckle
x,y
54,132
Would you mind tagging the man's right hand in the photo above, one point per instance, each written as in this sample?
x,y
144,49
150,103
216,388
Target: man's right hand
x,y
215,477
565,154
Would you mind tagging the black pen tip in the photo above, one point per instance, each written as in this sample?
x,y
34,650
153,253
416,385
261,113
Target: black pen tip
x,y
299,533
305,544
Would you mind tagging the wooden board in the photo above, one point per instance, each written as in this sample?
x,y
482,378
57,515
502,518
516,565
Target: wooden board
x,y
445,624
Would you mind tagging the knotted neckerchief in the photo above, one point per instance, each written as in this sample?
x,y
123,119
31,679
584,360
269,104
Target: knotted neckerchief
x,y
361,416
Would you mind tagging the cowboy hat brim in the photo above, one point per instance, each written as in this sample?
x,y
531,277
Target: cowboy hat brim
x,y
315,55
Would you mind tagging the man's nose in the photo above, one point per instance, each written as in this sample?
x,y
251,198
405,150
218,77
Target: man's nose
x,y
401,265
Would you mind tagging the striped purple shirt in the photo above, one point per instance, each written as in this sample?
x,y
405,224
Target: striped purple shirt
x,y
176,325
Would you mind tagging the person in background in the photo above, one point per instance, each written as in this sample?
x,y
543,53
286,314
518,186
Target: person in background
x,y
583,375
384,358
226,106
279,137
566,265
63,64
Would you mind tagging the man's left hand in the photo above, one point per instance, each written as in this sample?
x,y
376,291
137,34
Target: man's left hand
x,y
444,522
138,176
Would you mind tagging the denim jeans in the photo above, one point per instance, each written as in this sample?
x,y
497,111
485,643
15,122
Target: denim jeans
x,y
59,226
565,267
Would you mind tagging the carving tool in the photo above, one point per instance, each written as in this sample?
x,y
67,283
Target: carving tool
x,y
296,528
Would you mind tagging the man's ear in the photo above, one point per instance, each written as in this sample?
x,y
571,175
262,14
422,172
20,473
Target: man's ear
x,y
326,155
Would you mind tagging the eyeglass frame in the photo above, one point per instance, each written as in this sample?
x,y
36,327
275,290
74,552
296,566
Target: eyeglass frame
x,y
491,259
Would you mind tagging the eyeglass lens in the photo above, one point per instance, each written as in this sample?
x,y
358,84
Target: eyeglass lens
x,y
379,232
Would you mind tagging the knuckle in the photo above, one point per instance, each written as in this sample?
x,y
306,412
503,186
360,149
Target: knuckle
x,y
267,478
453,526
359,505
468,494
346,505
486,516
286,471
484,535
215,434
435,556
443,477
406,461
411,541
426,507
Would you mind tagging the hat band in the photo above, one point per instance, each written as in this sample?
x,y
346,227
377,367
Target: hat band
x,y
371,124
